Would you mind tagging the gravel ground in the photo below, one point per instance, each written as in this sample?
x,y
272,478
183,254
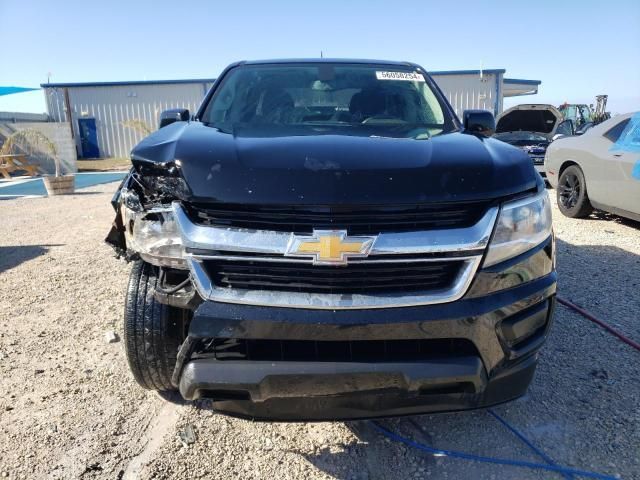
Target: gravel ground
x,y
70,409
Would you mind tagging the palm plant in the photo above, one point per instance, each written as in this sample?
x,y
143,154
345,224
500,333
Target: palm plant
x,y
31,142
139,126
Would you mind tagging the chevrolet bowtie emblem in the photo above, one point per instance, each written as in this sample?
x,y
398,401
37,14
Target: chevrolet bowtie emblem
x,y
329,247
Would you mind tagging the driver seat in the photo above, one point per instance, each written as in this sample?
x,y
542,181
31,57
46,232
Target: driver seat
x,y
367,103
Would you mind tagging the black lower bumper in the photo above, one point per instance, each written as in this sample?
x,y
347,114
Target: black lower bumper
x,y
293,364
323,391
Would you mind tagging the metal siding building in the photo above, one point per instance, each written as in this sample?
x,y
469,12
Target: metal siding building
x,y
472,89
112,103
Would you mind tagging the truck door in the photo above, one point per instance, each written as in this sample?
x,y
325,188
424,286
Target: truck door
x,y
625,153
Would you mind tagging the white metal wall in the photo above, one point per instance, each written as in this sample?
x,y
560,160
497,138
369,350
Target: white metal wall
x,y
111,105
470,91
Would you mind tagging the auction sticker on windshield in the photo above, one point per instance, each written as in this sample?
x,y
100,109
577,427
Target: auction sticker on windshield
x,y
408,76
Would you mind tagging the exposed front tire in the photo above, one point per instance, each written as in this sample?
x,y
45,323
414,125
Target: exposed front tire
x,y
572,197
153,332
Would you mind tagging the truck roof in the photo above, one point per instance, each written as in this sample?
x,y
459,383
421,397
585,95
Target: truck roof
x,y
327,60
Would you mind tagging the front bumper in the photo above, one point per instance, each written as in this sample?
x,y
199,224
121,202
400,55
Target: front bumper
x,y
321,391
505,316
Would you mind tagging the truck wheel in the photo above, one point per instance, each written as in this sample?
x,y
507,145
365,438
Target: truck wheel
x,y
573,200
153,332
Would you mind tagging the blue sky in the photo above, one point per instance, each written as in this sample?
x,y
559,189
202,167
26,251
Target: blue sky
x,y
577,48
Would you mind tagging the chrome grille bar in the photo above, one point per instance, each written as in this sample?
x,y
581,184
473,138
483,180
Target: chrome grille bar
x,y
331,301
206,243
232,239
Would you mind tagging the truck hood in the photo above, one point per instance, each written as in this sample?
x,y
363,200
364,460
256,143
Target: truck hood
x,y
536,118
327,168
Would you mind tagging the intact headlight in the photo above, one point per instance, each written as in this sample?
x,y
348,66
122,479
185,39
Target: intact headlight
x,y
154,236
522,224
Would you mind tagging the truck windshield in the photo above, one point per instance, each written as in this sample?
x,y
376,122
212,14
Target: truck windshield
x,y
344,99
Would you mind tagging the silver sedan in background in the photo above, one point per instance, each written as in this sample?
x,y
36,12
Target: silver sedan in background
x,y
599,169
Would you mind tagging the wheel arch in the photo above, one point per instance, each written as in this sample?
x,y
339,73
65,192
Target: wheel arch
x,y
566,164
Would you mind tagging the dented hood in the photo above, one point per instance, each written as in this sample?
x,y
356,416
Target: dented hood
x,y
327,168
538,118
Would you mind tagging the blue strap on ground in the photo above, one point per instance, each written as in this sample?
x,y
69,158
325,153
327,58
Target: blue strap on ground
x,y
480,458
526,441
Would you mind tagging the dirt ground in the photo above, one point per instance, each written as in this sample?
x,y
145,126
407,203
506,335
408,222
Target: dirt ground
x,y
69,407
104,164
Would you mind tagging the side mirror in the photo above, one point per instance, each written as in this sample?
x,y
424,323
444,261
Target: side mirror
x,y
479,122
558,136
173,115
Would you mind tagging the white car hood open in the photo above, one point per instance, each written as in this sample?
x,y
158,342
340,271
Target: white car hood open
x,y
538,118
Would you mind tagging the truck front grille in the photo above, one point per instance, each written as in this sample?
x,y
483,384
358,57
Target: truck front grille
x,y
254,265
357,220
354,278
334,351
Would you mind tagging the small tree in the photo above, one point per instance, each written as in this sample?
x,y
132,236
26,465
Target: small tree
x,y
139,126
31,142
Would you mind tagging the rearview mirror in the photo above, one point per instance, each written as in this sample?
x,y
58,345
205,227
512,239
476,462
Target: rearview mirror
x,y
479,122
173,115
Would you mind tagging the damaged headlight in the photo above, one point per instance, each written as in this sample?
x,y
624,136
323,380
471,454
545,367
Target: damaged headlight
x,y
521,225
153,234
166,187
160,181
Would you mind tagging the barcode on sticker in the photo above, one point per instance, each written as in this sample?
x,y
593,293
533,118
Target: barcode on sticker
x,y
408,76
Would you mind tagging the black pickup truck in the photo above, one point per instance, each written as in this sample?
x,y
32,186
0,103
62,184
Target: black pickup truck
x,y
323,239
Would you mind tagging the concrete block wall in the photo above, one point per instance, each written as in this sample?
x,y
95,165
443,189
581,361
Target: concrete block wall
x,y
13,117
59,134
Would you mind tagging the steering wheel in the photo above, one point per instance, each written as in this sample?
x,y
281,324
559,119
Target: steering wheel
x,y
383,117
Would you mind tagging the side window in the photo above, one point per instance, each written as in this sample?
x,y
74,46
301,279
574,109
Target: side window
x,y
614,133
565,128
585,114
571,112
632,135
